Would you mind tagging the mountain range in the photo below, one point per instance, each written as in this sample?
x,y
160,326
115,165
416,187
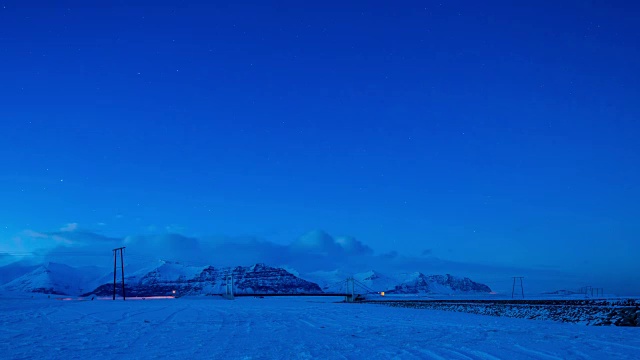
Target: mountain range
x,y
165,278
169,278
403,283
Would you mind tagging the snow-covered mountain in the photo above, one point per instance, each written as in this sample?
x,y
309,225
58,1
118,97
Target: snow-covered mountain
x,y
419,283
404,283
14,270
375,280
166,277
54,278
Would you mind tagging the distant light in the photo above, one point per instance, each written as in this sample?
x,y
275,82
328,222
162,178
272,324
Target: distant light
x,y
174,291
382,293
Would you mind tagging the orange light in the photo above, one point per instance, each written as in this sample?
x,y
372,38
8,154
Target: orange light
x,y
382,293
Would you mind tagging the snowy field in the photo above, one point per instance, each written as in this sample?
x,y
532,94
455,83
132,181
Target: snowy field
x,y
288,328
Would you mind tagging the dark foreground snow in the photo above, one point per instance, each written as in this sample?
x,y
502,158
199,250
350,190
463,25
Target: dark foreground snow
x,y
288,328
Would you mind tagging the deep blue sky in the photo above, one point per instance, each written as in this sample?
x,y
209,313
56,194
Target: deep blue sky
x,y
492,132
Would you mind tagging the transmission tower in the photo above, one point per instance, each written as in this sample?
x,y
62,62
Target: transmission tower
x,y
513,289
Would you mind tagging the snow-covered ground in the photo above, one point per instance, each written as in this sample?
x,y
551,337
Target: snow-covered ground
x,y
287,328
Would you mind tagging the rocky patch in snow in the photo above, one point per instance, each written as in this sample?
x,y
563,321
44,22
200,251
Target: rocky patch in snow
x,y
589,312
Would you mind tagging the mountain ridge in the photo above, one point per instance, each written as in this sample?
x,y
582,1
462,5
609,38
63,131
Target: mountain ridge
x,y
168,278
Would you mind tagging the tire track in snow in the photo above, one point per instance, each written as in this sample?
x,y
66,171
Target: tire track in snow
x,y
152,330
481,355
431,355
286,329
636,348
456,354
128,315
539,354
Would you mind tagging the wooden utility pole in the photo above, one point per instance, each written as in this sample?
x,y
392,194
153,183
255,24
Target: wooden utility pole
x,y
115,267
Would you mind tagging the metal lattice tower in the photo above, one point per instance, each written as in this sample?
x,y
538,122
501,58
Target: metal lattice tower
x,y
513,289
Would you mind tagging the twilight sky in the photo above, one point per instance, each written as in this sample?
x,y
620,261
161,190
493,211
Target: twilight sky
x,y
496,134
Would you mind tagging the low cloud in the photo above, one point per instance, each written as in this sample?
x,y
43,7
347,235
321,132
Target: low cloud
x,y
165,247
70,245
314,251
70,227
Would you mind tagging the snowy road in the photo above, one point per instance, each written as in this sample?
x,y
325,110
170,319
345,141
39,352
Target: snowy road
x,y
285,328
